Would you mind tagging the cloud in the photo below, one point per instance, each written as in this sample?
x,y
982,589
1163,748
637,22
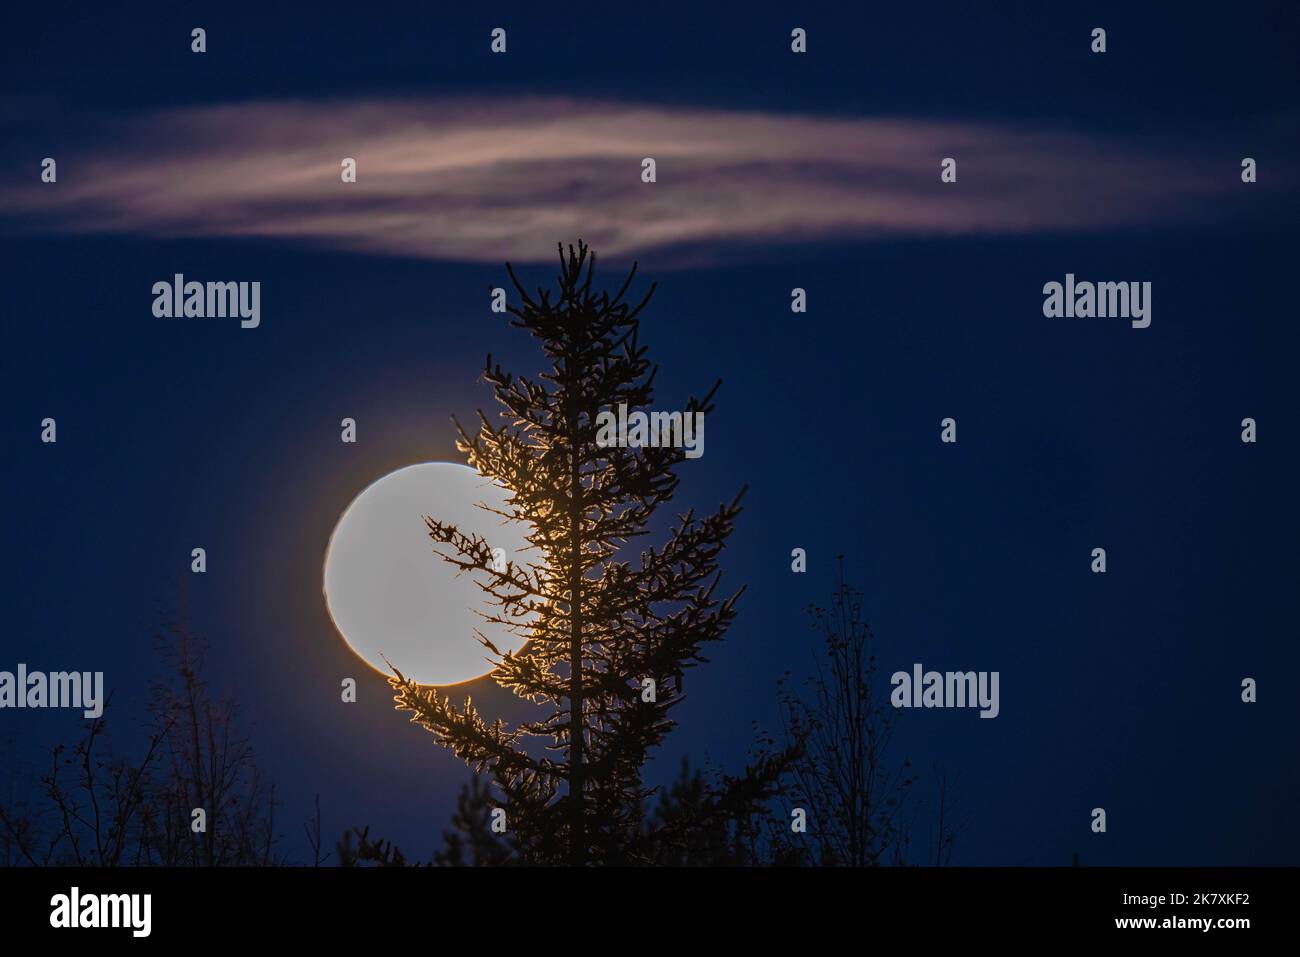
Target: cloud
x,y
486,180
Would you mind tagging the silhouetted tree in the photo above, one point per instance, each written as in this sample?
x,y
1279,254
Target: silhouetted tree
x,y
98,808
855,800
698,822
358,849
470,841
597,623
947,820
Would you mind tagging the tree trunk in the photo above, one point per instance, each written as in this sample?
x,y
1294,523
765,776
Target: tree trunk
x,y
577,820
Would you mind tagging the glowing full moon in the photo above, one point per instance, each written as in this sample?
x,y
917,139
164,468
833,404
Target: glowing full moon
x,y
390,595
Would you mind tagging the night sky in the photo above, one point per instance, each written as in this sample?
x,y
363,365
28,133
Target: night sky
x,y
1119,690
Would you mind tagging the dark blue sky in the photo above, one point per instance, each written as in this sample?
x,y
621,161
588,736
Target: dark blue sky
x,y
1120,691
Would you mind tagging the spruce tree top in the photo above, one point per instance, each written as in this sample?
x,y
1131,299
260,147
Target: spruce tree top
x,y
603,617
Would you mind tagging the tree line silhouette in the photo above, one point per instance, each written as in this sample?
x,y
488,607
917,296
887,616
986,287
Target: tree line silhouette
x,y
612,630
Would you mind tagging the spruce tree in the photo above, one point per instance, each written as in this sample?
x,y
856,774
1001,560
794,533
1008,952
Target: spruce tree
x,y
600,614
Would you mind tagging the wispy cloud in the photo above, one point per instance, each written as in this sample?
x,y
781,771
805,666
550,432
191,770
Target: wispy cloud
x,y
479,179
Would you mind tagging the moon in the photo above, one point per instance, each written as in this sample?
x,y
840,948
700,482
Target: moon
x,y
391,596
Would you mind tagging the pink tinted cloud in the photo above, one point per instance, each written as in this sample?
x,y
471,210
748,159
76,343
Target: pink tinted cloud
x,y
487,180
